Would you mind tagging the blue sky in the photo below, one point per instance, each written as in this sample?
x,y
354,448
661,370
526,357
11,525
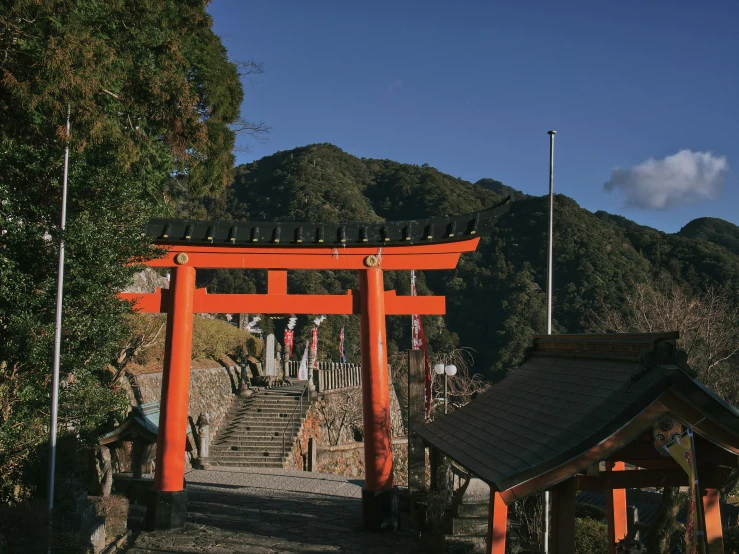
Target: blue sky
x,y
472,88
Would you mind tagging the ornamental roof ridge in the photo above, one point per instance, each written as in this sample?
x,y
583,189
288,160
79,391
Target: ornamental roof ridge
x,y
329,234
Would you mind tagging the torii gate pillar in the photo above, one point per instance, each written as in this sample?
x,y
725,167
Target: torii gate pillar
x,y
378,456
167,502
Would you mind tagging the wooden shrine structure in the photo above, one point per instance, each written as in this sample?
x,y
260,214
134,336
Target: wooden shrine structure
x,y
369,248
592,412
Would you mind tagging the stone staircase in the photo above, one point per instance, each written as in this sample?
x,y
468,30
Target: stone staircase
x,y
465,526
253,436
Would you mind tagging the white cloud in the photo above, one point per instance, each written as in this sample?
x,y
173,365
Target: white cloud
x,y
683,178
392,87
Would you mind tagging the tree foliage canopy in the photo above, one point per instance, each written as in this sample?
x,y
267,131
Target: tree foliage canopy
x,y
151,96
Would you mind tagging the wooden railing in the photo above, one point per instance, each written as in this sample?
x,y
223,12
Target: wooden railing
x,y
292,368
332,376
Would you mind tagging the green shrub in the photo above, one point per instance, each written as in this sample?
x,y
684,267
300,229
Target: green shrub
x,y
590,511
211,338
591,536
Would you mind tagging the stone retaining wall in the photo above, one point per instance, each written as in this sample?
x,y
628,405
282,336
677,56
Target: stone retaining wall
x,y
347,456
212,388
348,460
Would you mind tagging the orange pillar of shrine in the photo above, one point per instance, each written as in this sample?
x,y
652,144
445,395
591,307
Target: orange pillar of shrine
x,y
378,456
616,510
167,502
498,525
712,515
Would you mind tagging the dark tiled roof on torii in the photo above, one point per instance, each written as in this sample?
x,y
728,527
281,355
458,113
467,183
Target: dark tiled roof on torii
x,y
572,393
334,234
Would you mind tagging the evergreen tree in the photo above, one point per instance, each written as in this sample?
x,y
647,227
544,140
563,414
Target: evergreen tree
x,y
151,97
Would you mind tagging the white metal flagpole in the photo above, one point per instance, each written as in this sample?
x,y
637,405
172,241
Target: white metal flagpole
x,y
551,231
549,299
58,333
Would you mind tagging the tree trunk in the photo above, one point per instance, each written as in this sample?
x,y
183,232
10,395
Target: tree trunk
x,y
664,523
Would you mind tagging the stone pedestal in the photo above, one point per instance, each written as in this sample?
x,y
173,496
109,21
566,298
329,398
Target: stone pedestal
x,y
166,510
380,510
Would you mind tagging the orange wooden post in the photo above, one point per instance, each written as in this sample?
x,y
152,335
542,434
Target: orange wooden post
x,y
277,281
616,510
167,503
378,457
712,514
498,524
562,534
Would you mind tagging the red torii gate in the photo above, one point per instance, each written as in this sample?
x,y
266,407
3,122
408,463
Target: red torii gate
x,y
367,248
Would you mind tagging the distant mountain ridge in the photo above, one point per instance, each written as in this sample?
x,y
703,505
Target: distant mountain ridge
x,y
712,229
495,298
504,190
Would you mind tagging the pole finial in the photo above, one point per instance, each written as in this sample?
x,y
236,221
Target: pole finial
x,y
552,132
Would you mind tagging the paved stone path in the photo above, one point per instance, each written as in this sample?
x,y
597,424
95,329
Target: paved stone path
x,y
265,511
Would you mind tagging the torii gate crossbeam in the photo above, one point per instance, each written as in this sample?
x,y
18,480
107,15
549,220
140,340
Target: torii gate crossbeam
x,y
367,248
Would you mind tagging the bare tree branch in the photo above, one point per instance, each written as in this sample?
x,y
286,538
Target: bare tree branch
x,y
708,325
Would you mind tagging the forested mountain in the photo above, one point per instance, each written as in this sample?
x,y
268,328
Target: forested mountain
x,y
717,231
495,296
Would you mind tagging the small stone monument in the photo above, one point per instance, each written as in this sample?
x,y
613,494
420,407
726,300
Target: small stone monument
x,y
269,356
203,443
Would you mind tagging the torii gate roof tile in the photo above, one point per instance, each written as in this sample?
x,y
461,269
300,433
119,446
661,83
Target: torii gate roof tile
x,y
336,234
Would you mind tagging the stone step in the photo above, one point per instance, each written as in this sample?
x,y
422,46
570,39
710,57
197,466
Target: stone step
x,y
269,411
264,424
256,431
253,457
254,434
477,526
463,545
251,464
259,427
252,454
235,447
277,401
271,408
248,441
471,510
250,458
258,423
255,442
254,450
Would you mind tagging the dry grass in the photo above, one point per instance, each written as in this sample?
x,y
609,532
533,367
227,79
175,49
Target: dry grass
x,y
115,510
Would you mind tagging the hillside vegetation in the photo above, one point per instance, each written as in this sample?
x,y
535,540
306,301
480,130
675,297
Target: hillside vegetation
x,y
495,298
713,230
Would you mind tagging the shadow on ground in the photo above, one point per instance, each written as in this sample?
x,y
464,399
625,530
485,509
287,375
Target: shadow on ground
x,y
226,517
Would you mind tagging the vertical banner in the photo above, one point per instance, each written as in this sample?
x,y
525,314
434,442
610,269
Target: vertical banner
x,y
289,341
683,452
303,370
419,343
342,347
314,342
